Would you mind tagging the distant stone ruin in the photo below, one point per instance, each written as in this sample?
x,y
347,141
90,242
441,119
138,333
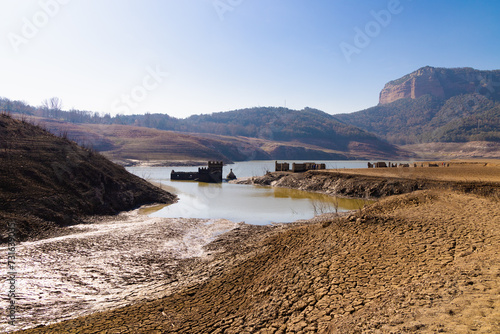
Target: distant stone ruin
x,y
382,164
281,167
379,164
210,174
298,168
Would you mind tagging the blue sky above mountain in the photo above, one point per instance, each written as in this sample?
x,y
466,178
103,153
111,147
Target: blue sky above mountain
x,y
203,56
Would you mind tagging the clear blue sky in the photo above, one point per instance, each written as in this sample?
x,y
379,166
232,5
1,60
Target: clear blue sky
x,y
184,57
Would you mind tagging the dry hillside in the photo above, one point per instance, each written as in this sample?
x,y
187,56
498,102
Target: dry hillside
x,y
47,181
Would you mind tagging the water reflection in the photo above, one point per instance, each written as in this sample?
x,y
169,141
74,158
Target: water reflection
x,y
242,203
343,204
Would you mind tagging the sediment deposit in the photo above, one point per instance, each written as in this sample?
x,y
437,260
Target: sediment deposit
x,y
423,262
122,260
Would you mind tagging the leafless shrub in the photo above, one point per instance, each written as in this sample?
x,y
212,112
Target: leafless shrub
x,y
64,134
86,145
360,204
6,113
322,207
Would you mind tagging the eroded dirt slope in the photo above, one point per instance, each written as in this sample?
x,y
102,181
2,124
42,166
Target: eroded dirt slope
x,y
48,181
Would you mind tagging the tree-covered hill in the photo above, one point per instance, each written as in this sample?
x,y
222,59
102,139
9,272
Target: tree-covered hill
x,y
461,105
428,105
287,129
428,119
309,126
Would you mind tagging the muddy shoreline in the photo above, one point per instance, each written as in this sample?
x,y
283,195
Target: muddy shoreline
x,y
115,261
351,185
424,262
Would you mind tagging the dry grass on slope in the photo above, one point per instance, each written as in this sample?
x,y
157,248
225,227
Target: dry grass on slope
x,y
459,171
48,181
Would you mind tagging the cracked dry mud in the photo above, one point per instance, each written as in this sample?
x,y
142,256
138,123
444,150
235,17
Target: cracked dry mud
x,y
423,262
119,261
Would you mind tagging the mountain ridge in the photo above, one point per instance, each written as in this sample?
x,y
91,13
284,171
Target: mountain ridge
x,y
441,83
263,133
464,107
431,104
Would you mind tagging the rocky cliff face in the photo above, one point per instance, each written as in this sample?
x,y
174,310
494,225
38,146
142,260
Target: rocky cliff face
x,y
442,83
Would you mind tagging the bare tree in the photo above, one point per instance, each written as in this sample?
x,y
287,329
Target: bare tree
x,y
53,105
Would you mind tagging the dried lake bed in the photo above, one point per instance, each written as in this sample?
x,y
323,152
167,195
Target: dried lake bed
x,y
113,262
151,252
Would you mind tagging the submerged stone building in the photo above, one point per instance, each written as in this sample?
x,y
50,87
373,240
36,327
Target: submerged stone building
x,y
297,168
210,174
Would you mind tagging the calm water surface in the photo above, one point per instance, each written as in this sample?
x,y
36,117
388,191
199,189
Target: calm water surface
x,y
250,204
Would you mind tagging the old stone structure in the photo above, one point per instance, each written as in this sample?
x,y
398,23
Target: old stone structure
x,y
231,175
380,164
298,168
281,167
210,174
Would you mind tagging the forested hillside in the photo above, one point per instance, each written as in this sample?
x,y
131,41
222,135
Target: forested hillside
x,y
428,119
293,134
308,126
437,116
428,105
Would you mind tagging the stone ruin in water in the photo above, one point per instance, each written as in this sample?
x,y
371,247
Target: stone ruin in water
x,y
210,174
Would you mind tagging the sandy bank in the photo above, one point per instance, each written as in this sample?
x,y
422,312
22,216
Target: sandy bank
x,y
458,171
426,261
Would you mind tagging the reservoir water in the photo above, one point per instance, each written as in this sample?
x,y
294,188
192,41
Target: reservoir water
x,y
244,203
